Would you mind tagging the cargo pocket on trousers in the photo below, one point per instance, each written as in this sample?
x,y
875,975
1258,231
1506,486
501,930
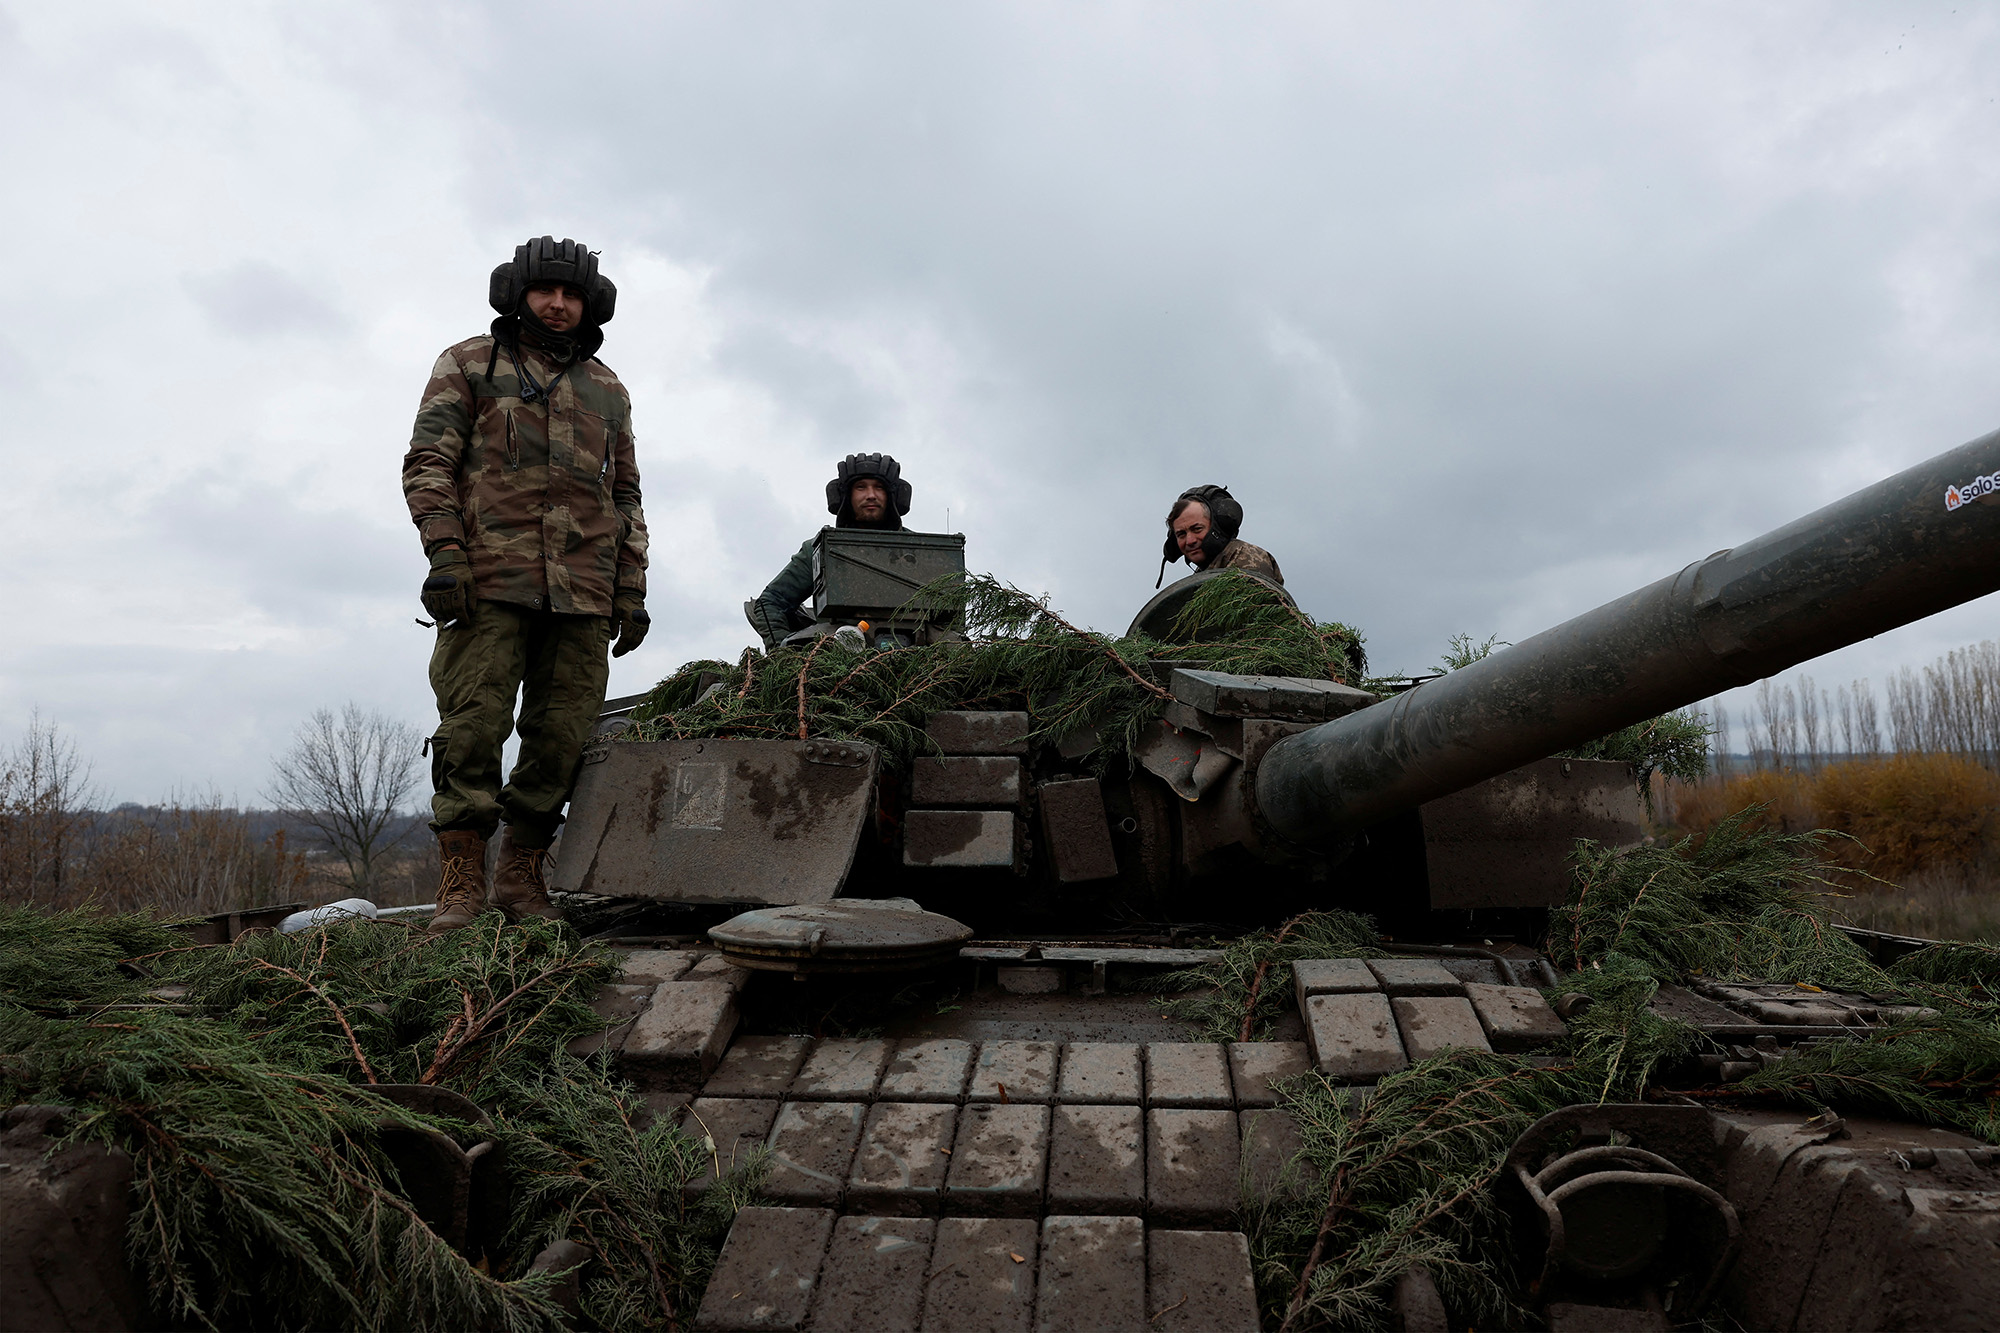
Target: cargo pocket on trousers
x,y
434,747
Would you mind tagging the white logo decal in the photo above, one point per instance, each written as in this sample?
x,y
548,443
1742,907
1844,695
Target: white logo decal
x,y
1979,488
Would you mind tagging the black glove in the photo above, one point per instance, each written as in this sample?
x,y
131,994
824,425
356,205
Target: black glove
x,y
629,621
448,591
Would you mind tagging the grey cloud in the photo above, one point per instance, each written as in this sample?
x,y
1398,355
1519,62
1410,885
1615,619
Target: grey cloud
x,y
1562,327
13,366
154,719
291,560
253,299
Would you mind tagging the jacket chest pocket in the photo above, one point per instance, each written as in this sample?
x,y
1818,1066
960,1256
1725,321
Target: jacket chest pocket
x,y
501,434
595,438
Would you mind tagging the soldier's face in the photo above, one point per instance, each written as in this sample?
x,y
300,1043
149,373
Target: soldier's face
x,y
869,499
556,304
1189,529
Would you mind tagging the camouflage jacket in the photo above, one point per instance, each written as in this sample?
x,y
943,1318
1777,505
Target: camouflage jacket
x,y
1240,554
544,496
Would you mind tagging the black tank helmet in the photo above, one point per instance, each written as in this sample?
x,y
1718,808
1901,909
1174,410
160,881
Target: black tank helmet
x,y
1225,520
852,468
546,259
541,260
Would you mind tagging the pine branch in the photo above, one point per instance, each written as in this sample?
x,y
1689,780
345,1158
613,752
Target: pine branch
x,y
326,999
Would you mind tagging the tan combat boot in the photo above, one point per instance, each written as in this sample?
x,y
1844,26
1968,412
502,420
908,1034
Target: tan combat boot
x,y
519,888
461,880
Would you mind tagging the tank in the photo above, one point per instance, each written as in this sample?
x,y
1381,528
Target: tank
x,y
1045,893
1438,798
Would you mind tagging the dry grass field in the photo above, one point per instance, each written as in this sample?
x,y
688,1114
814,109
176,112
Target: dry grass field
x,y
1918,845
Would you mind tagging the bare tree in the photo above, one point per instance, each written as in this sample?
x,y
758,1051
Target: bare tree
x,y
1867,722
347,778
1909,715
1767,711
1962,700
1779,708
1809,701
1719,736
45,799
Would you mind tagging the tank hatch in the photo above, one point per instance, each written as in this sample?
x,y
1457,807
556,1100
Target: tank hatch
x,y
851,935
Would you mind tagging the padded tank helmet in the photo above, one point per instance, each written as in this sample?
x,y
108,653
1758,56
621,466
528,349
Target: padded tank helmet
x,y
546,259
1225,520
856,466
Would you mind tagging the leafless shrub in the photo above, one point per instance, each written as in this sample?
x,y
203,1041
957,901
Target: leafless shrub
x,y
189,857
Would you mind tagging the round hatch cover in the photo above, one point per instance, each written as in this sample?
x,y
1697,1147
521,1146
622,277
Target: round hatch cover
x,y
1156,618
847,935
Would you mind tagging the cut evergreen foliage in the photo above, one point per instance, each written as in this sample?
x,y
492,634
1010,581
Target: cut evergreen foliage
x,y
1462,650
1404,1177
1017,652
1675,744
64,961
1974,966
261,1195
1742,902
1237,999
1939,1070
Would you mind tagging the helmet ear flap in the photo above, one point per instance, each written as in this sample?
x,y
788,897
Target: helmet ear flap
x,y
1224,513
603,300
836,491
899,495
503,292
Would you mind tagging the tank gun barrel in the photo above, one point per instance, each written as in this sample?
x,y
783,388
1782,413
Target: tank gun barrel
x,y
1920,542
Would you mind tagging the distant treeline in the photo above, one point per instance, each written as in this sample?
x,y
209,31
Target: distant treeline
x,y
262,825
1951,706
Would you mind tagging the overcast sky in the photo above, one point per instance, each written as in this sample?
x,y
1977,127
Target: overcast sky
x,y
1487,312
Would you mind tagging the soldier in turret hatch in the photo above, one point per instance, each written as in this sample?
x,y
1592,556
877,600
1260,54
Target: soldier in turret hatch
x,y
521,479
867,492
1202,528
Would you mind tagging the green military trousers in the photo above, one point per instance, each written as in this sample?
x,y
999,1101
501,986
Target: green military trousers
x,y
558,665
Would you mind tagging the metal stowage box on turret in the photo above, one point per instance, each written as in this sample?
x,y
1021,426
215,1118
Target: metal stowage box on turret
x,y
867,571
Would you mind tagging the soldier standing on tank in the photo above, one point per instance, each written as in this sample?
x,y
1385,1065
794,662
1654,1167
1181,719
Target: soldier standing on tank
x,y
867,491
1202,528
521,480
